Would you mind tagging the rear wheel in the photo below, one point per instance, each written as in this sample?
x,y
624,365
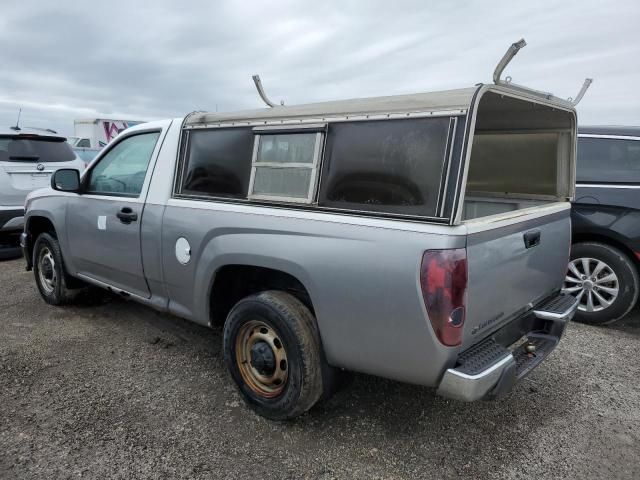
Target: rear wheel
x,y
48,267
273,353
604,279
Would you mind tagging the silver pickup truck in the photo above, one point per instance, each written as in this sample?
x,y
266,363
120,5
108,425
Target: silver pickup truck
x,y
422,238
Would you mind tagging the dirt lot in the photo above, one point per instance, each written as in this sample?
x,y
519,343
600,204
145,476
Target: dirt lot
x,y
115,390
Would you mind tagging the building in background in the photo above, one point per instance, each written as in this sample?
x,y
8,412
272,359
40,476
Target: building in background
x,y
92,134
95,133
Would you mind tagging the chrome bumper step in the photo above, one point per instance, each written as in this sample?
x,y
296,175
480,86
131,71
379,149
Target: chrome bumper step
x,y
490,369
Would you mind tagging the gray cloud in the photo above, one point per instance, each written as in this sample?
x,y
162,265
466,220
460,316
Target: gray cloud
x,y
64,60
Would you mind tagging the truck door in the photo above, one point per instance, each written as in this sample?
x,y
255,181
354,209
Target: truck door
x,y
103,224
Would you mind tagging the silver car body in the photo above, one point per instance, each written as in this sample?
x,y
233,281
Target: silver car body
x,y
361,270
18,178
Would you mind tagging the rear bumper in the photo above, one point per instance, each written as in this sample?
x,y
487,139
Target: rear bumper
x,y
491,368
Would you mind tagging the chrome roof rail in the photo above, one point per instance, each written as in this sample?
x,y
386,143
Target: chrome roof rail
x,y
502,64
263,96
508,56
587,83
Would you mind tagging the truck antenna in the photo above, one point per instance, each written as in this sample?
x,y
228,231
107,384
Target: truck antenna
x,y
263,96
17,127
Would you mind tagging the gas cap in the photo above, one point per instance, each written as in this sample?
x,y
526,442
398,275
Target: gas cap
x,y
183,251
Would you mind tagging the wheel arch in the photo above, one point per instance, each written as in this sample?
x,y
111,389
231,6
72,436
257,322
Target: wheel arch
x,y
611,240
34,226
230,282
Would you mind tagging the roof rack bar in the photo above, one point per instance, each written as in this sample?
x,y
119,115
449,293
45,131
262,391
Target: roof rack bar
x,y
587,83
263,95
506,58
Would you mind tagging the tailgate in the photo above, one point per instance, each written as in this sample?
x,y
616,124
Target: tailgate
x,y
514,263
17,180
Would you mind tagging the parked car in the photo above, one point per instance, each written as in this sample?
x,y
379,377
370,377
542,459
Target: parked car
x,y
28,156
411,237
605,255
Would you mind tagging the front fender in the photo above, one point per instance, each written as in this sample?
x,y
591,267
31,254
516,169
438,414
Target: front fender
x,y
52,208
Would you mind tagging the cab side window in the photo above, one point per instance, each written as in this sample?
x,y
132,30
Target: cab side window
x,y
123,169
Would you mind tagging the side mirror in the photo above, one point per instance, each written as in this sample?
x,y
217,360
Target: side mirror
x,y
66,180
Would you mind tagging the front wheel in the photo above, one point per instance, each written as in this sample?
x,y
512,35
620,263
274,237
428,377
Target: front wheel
x,y
273,353
604,279
48,267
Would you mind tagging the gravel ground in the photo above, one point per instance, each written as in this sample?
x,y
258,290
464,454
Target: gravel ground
x,y
111,389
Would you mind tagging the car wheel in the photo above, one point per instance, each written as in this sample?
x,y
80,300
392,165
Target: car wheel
x,y
604,279
48,267
273,353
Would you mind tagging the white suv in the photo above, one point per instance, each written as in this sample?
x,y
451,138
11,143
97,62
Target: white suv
x,y
28,157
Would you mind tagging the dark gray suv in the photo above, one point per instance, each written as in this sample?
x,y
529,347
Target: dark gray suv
x,y
605,256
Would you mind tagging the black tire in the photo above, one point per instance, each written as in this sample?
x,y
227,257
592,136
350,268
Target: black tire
x,y
57,292
293,325
628,282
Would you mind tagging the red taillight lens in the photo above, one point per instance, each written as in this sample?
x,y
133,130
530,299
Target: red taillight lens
x,y
443,278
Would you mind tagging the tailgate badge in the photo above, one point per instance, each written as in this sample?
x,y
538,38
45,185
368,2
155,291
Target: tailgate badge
x,y
40,167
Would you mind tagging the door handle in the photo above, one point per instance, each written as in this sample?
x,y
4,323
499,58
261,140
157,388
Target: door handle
x,y
126,215
531,239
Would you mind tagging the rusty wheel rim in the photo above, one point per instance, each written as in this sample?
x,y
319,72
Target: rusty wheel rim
x,y
261,359
47,270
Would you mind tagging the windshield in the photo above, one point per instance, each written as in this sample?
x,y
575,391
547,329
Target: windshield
x,y
35,149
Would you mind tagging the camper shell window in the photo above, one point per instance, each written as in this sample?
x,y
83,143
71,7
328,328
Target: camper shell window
x,y
285,166
217,162
389,166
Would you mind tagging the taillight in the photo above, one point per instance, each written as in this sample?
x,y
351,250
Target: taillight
x,y
443,278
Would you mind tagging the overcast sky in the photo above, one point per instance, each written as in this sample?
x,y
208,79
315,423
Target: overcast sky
x,y
61,60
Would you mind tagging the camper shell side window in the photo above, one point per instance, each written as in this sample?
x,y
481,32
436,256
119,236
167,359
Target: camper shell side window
x,y
391,167
284,165
386,166
216,162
